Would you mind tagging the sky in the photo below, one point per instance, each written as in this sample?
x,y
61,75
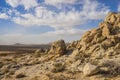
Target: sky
x,y
44,21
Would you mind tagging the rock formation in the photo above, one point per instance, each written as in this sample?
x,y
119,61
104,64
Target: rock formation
x,y
58,47
96,56
90,69
102,39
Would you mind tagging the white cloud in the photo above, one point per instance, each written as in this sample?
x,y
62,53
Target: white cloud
x,y
119,7
46,17
26,3
60,3
94,10
91,10
3,16
63,21
68,35
54,2
13,3
29,4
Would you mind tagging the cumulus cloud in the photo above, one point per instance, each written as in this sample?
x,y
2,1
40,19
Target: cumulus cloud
x,y
13,3
54,2
48,18
62,20
27,4
3,16
91,10
94,10
59,3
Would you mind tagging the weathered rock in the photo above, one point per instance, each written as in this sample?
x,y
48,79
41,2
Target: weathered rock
x,y
106,29
111,18
58,47
117,46
40,77
39,52
57,67
72,45
75,54
76,66
107,35
1,64
112,66
90,69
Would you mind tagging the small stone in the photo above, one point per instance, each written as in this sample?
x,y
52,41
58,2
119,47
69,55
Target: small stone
x,y
57,67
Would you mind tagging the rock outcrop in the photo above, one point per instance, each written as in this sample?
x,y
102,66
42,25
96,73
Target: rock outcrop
x,y
90,69
102,39
58,48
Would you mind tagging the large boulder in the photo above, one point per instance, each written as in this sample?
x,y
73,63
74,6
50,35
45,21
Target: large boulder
x,y
90,69
75,54
58,47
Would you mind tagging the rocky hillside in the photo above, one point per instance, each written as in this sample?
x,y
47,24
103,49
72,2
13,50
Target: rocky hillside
x,y
95,57
103,41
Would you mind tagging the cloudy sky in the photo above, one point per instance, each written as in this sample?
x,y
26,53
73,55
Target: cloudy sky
x,y
43,21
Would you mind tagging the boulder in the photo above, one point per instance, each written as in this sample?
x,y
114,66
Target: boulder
x,y
58,47
72,45
76,66
90,69
75,54
106,29
111,18
112,66
39,52
86,34
117,46
57,67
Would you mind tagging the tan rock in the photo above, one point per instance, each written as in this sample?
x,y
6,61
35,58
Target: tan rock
x,y
90,69
117,46
57,67
72,45
88,39
94,48
112,65
40,77
75,54
94,31
106,29
58,47
86,34
111,18
39,52
76,66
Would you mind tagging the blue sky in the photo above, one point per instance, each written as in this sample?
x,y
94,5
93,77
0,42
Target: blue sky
x,y
44,21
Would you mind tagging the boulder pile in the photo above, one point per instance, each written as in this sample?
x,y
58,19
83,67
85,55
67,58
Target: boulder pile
x,y
102,41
